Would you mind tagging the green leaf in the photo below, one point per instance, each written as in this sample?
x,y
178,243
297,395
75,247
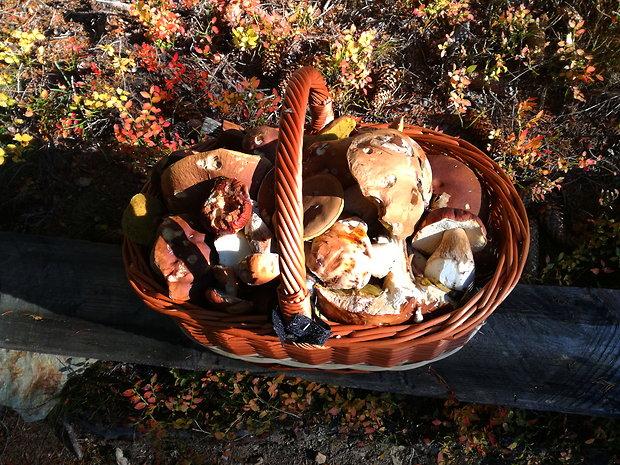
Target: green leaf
x,y
471,69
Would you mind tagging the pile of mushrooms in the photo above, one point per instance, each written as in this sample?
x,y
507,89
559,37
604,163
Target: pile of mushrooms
x,y
390,232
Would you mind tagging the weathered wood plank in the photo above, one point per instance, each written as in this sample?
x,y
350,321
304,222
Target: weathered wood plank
x,y
545,348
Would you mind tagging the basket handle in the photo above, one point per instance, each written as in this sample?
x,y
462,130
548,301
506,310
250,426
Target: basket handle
x,y
306,86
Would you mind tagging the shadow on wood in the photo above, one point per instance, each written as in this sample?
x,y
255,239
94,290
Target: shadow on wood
x,y
546,348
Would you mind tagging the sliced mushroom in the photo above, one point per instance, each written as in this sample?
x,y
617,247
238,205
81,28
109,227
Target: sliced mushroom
x,y
431,229
186,183
181,257
227,208
455,183
392,170
323,201
452,263
340,257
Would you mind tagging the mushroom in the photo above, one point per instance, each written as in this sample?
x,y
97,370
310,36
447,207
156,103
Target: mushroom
x,y
455,184
357,204
261,140
328,157
221,300
232,248
340,257
226,279
186,183
257,232
392,170
266,197
228,207
431,229
385,252
259,268
323,201
181,257
452,263
395,303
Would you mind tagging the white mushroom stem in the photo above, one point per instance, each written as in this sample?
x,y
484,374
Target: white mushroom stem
x,y
452,263
384,253
257,232
232,248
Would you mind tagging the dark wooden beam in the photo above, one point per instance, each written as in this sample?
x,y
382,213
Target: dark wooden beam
x,y
546,348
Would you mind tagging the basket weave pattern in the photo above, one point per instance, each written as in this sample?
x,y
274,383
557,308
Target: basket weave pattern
x,y
252,335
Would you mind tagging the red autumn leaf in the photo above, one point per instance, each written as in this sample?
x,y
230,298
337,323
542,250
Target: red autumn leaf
x,y
140,405
128,393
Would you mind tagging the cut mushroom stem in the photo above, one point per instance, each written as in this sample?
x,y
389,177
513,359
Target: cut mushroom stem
x,y
452,263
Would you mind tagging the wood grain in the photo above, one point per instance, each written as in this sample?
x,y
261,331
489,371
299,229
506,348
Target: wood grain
x,y
546,348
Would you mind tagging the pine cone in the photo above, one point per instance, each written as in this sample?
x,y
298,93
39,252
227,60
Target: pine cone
x,y
271,60
478,123
386,81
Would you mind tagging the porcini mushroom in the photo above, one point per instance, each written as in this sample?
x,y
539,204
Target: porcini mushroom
x,y
432,227
328,157
455,182
323,201
398,300
452,263
258,233
259,268
181,257
261,140
227,208
232,248
186,183
392,170
340,257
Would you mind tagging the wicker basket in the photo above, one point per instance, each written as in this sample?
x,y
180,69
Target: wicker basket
x,y
351,347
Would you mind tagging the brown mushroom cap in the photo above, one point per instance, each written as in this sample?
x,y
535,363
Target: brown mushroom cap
x,y
186,183
181,257
259,268
456,179
393,171
220,300
323,201
431,229
328,157
261,140
266,197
